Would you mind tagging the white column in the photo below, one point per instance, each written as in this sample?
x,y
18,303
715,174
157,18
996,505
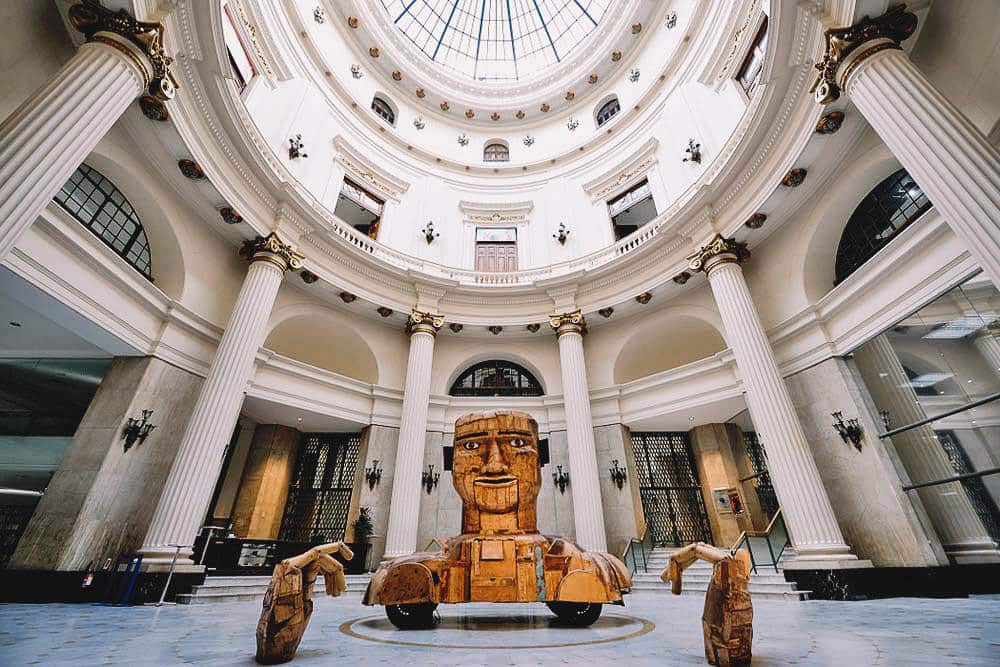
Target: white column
x,y
51,133
808,514
958,526
584,481
199,460
988,344
404,507
952,161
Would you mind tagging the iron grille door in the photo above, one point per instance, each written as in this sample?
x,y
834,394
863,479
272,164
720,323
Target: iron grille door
x,y
978,495
671,493
320,494
766,496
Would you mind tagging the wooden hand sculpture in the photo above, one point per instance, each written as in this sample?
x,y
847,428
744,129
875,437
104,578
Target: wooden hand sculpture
x,y
728,618
288,601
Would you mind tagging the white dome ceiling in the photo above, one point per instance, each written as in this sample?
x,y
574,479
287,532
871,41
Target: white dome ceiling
x,y
496,40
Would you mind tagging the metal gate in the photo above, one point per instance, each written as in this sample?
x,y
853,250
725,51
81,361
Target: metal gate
x,y
978,495
320,494
671,493
766,496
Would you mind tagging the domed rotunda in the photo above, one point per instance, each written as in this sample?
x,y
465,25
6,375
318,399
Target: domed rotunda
x,y
738,259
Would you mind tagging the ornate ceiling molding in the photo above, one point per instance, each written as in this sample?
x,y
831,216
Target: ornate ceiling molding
x,y
497,213
357,167
625,173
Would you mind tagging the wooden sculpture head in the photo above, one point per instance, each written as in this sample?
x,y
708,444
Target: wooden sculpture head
x,y
496,472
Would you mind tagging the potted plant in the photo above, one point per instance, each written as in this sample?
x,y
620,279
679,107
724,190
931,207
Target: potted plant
x,y
363,528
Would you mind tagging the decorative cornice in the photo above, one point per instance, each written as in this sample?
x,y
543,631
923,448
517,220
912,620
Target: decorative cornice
x,y
720,250
424,322
496,213
382,181
625,173
895,26
571,322
266,247
91,18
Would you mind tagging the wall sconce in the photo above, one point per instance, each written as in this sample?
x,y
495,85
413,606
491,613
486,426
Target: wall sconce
x,y
561,479
849,430
694,152
373,475
562,234
572,124
886,419
429,233
429,478
137,430
633,74
295,147
618,475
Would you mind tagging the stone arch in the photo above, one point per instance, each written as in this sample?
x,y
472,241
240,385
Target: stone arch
x,y
473,359
673,337
324,339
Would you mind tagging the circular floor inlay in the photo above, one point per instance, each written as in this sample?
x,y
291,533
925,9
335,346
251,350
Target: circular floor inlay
x,y
493,627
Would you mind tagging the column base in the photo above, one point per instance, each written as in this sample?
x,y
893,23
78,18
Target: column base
x,y
973,553
158,559
824,558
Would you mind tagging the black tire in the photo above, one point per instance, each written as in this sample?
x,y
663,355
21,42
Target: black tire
x,y
577,614
411,616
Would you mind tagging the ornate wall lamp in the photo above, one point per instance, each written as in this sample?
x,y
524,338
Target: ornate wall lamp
x,y
693,152
886,419
296,148
618,474
137,430
429,478
562,234
850,431
429,233
373,475
560,479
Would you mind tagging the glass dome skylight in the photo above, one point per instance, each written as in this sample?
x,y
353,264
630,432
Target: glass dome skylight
x,y
496,40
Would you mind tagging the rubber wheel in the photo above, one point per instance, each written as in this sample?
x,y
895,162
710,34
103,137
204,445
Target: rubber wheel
x,y
577,614
411,616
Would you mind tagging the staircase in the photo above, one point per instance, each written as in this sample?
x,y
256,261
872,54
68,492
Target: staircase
x,y
238,589
765,584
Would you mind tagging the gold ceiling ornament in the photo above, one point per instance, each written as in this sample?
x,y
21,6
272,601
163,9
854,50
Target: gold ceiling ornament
x,y
347,297
571,322
495,329
570,95
616,55
520,114
592,79
384,311
795,177
719,250
682,277
495,116
470,113
830,123
533,327
636,28
545,107
353,22
424,321
421,93
91,18
444,105
895,26
153,108
266,247
397,75
756,221
374,52
308,277
644,298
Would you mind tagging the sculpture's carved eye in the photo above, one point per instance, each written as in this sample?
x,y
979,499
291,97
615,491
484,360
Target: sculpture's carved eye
x,y
471,446
518,442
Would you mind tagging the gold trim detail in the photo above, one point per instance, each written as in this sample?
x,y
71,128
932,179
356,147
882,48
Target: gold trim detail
x,y
271,245
896,25
568,322
424,321
719,250
90,18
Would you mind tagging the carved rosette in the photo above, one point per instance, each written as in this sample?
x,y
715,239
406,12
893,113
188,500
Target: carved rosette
x,y
90,18
563,323
424,322
890,29
719,250
272,249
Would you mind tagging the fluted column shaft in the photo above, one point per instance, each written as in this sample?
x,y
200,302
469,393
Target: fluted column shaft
x,y
958,526
813,526
404,506
988,344
199,459
949,158
49,135
585,484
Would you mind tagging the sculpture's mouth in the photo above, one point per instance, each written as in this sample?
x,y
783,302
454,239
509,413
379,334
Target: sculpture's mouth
x,y
496,481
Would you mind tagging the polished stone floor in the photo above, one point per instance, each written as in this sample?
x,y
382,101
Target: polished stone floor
x,y
653,629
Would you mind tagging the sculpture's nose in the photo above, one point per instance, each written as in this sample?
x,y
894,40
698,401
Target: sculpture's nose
x,y
495,464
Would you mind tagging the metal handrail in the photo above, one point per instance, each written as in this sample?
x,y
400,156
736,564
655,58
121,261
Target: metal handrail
x,y
630,548
942,415
766,534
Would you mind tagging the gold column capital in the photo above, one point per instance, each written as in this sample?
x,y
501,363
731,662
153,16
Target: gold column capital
x,y
273,249
91,18
425,322
571,322
720,250
892,27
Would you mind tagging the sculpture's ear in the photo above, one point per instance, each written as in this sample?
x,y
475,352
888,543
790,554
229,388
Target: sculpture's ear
x,y
543,451
449,457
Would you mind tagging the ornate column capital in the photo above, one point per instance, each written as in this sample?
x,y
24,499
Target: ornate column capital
x,y
571,322
890,29
718,251
91,18
424,322
272,249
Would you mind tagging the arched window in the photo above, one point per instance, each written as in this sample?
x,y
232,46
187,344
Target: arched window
x,y
496,378
95,201
885,212
608,111
383,109
496,152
